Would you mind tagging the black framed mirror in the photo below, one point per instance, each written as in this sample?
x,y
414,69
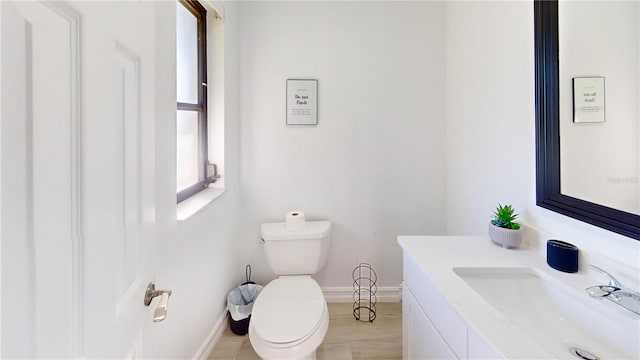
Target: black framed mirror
x,y
548,192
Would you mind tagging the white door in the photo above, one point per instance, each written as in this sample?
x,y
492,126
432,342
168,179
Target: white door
x,y
77,177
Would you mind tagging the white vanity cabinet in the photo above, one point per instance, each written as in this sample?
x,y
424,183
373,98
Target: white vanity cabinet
x,y
431,327
466,298
420,339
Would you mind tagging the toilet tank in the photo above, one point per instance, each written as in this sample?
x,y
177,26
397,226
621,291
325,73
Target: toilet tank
x,y
296,253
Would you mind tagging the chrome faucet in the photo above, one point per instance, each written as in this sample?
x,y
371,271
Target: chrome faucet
x,y
615,292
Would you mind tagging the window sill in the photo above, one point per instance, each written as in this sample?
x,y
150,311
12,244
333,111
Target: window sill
x,y
197,202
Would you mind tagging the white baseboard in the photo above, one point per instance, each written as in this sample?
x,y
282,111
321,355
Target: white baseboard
x,y
345,294
212,339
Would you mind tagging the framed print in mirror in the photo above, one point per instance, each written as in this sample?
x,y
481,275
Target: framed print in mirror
x,y
302,102
588,99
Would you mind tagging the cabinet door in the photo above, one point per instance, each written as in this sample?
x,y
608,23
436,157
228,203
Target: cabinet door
x,y
420,339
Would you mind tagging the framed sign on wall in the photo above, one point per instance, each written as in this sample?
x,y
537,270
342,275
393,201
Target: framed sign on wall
x,y
302,102
588,99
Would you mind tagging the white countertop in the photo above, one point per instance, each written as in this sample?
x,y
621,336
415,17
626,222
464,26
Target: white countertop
x,y
438,255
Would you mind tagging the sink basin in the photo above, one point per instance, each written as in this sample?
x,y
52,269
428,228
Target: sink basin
x,y
555,316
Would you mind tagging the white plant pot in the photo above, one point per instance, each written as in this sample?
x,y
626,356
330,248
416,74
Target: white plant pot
x,y
507,238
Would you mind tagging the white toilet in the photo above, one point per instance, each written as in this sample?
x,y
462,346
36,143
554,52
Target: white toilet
x,y
290,317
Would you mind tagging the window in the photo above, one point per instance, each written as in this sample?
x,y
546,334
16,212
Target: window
x,y
191,119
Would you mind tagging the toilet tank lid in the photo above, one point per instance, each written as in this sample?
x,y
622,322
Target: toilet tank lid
x,y
278,231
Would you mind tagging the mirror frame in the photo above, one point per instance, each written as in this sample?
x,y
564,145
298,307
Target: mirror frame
x,y
547,106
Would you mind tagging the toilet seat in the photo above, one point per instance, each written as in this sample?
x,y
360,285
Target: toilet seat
x,y
288,309
289,318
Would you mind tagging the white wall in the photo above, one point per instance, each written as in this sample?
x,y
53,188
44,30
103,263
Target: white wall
x,y
599,161
375,164
490,111
490,128
198,258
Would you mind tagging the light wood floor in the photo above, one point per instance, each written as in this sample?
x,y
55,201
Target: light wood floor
x,y
346,338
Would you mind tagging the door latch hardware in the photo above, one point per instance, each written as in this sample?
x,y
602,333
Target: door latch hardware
x,y
161,311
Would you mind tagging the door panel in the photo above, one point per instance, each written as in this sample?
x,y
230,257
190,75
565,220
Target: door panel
x,y
40,177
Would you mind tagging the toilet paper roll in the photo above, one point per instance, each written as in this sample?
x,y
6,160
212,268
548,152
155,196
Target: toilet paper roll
x,y
295,222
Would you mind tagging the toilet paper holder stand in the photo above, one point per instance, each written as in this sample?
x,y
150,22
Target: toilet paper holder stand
x,y
364,294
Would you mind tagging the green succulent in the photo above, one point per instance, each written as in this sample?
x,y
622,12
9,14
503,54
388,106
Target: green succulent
x,y
504,217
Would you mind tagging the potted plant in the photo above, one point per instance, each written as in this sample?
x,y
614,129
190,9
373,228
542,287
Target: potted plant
x,y
503,230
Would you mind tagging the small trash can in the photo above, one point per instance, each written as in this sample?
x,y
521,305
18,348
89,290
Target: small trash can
x,y
240,303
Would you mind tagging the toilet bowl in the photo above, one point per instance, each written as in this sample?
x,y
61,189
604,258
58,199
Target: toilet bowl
x,y
289,319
